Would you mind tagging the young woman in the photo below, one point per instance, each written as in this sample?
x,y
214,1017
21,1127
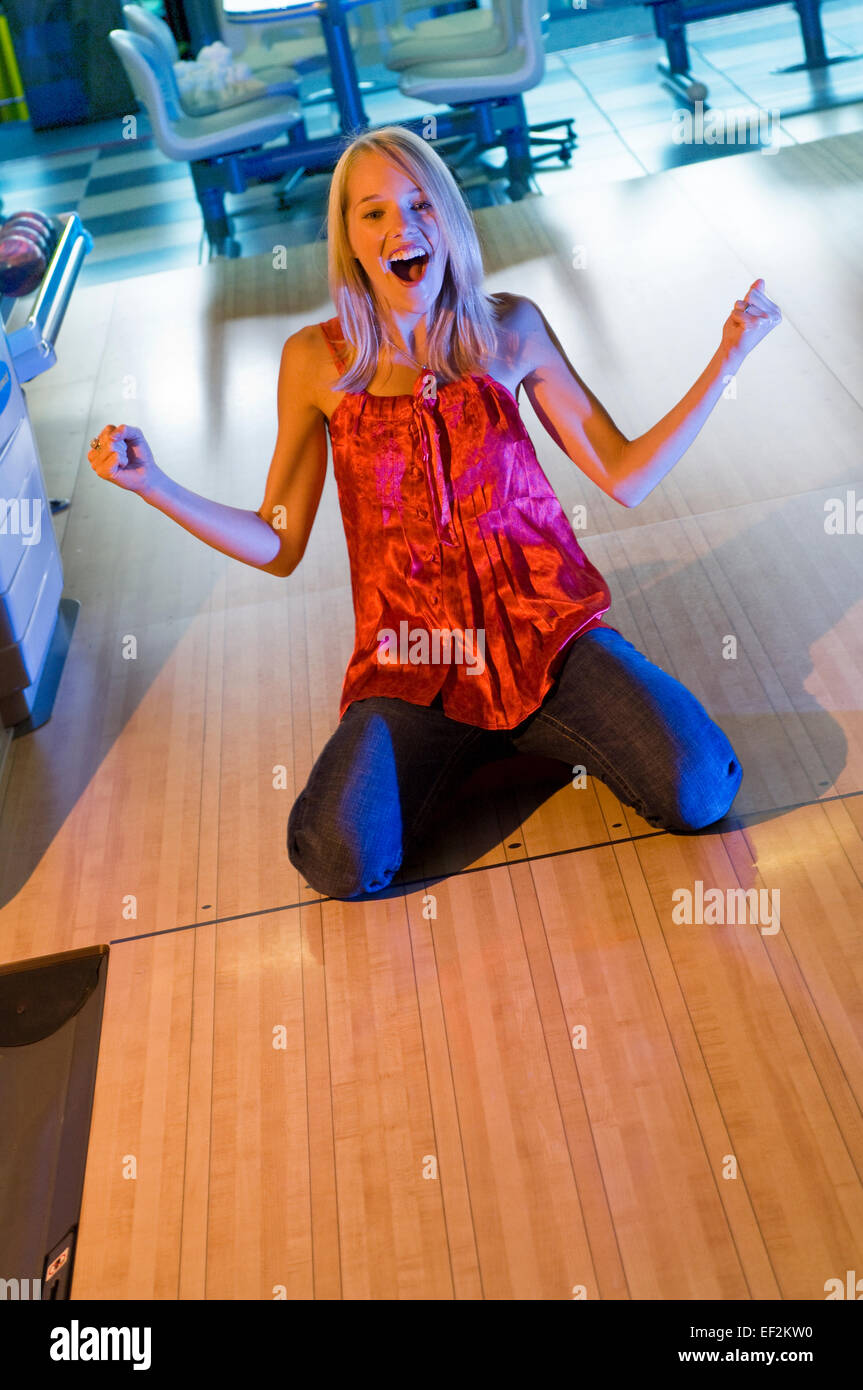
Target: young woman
x,y
478,615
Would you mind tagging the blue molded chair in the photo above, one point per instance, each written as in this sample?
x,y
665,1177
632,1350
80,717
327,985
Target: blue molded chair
x,y
457,81
279,81
484,32
200,139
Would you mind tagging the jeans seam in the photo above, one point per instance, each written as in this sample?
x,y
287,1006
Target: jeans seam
x,y
580,742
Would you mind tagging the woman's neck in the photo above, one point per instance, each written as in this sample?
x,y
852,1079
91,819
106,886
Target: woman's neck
x,y
407,336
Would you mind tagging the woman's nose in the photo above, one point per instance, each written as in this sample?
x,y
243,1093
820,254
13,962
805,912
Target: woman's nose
x,y
402,224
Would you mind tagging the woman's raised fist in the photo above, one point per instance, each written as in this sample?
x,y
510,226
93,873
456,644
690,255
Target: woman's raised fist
x,y
750,320
122,455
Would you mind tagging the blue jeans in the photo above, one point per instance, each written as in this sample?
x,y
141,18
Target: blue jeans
x,y
390,765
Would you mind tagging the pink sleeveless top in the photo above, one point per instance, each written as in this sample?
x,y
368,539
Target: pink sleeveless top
x,y
466,576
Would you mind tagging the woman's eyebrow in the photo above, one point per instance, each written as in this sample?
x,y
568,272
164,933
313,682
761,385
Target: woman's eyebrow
x,y
378,197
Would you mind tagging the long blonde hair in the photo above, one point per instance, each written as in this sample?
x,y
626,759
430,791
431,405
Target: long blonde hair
x,y
462,334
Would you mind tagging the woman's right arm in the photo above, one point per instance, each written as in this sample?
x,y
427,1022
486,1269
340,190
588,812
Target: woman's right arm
x,y
274,537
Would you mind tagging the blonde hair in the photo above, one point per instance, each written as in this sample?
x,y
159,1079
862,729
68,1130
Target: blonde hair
x,y
462,334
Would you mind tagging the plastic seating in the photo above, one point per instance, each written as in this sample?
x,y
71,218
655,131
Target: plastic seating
x,y
279,81
487,32
199,139
464,80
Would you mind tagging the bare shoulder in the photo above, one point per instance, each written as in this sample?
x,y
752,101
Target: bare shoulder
x,y
514,310
522,333
306,366
308,350
517,312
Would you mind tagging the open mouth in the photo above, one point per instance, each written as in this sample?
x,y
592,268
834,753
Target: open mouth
x,y
412,269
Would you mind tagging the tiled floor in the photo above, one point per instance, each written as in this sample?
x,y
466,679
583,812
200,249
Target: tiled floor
x,y
143,215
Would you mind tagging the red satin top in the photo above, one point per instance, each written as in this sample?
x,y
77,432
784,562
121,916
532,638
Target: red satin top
x,y
451,524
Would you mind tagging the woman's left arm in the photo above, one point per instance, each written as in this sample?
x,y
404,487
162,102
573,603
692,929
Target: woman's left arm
x,y
629,469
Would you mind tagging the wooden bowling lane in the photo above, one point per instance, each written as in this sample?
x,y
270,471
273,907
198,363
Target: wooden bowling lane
x,y
172,774
761,1029
332,1165
101,820
384,1100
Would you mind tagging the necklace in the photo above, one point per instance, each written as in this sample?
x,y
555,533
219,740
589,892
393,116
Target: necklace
x,y
423,366
428,380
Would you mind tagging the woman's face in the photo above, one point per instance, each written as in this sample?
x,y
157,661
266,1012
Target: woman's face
x,y
392,224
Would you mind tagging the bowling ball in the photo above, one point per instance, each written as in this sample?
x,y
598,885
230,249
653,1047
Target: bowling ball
x,y
41,233
23,229
22,264
22,226
48,230
46,221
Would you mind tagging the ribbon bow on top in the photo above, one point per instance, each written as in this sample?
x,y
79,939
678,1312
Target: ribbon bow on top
x,y
424,403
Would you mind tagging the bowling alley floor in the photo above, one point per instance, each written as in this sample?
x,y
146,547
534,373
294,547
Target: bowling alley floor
x,y
523,1072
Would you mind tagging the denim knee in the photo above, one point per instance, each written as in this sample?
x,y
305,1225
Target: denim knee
x,y
330,863
699,802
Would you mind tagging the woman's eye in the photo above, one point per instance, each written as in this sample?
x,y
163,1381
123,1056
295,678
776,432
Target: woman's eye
x,y
377,212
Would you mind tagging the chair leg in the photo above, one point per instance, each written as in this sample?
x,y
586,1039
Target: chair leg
x,y
519,165
211,200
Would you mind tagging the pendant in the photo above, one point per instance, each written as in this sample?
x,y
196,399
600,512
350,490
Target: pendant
x,y
429,386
